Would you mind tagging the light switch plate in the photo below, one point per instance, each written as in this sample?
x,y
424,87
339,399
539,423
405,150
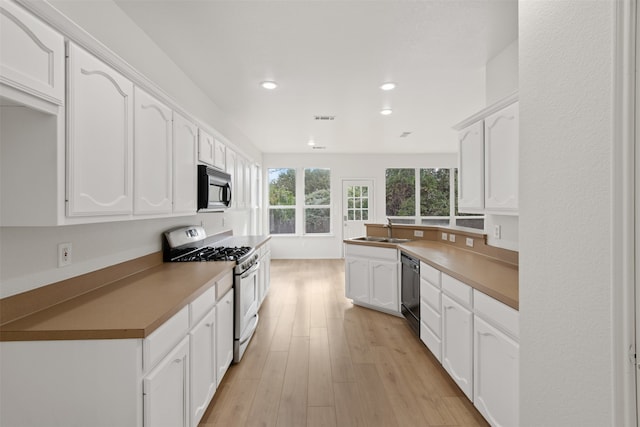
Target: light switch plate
x,y
469,242
444,236
452,237
418,233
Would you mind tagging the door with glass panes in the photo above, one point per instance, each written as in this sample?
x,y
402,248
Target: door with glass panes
x,y
357,207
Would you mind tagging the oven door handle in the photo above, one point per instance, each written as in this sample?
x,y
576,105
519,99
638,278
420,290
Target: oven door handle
x,y
250,271
250,329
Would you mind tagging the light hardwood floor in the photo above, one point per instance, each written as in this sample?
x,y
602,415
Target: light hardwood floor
x,y
318,360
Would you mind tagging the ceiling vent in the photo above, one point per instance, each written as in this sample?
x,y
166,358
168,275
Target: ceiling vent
x,y
319,147
405,134
325,118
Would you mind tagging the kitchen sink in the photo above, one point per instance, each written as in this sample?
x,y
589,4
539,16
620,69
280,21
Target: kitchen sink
x,y
381,239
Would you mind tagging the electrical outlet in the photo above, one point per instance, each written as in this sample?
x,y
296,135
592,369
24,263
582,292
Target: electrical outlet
x,y
452,238
497,231
469,242
418,233
444,236
64,254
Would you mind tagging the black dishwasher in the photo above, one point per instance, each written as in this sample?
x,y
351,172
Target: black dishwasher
x,y
410,303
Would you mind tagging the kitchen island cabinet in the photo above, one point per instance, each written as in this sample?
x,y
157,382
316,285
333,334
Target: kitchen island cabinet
x,y
224,334
372,277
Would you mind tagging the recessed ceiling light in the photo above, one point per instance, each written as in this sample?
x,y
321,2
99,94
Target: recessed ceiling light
x,y
388,86
386,111
269,85
311,143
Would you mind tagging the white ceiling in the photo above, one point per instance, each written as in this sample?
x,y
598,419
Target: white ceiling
x,y
329,58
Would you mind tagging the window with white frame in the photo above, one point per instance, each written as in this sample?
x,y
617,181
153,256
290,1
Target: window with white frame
x,y
430,192
282,201
317,201
299,196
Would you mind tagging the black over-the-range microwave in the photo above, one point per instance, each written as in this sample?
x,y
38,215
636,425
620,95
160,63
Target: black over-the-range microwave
x,y
214,189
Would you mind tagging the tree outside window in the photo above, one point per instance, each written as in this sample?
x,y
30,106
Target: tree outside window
x,y
317,200
282,201
400,192
434,192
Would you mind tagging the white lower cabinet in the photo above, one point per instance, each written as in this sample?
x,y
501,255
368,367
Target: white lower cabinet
x,y
166,390
224,334
202,340
495,374
457,344
372,277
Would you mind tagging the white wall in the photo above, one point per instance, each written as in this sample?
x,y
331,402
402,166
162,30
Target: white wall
x,y
566,142
28,255
348,166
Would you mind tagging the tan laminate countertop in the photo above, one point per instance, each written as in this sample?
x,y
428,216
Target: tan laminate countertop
x,y
493,277
132,307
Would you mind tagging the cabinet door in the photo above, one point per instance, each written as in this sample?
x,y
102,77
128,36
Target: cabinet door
x,y
457,344
153,148
471,169
501,160
240,187
99,137
219,155
224,334
230,164
206,148
31,54
357,279
384,285
166,390
495,375
202,352
185,137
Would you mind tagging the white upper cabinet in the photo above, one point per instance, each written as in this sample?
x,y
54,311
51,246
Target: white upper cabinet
x,y
501,159
206,148
31,54
220,155
185,139
471,169
99,137
152,155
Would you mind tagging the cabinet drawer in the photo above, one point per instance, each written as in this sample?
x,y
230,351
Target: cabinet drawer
x,y
163,339
456,289
390,254
430,294
433,343
497,313
202,305
432,319
430,274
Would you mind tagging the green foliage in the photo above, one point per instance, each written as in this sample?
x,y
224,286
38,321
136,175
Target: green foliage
x,y
282,187
434,192
317,185
400,197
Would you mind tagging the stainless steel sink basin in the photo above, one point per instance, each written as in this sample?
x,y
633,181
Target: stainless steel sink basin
x,y
381,239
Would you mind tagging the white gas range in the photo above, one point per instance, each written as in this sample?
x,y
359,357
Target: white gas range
x,y
191,244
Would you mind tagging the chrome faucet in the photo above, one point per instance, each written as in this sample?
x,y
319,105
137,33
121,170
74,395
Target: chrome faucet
x,y
389,228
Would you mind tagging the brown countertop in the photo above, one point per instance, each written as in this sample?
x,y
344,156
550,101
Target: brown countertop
x,y
491,276
132,307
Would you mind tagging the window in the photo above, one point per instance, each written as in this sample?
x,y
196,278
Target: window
x,y
432,199
317,201
282,201
401,192
288,207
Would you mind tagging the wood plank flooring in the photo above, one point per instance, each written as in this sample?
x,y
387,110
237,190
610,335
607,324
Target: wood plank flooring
x,y
318,360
